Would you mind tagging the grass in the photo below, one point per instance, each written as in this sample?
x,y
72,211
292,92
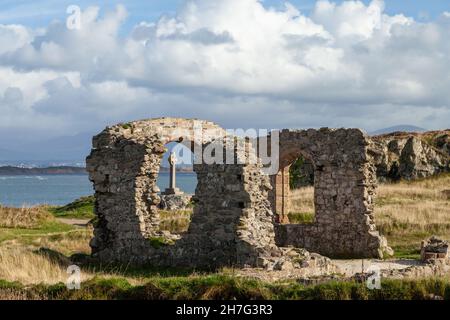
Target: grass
x,y
158,242
23,217
301,217
82,208
175,221
35,228
406,212
302,205
75,241
216,286
28,234
21,265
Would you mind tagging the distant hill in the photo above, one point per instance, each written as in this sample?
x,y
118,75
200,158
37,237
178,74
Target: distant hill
x,y
181,169
399,128
16,171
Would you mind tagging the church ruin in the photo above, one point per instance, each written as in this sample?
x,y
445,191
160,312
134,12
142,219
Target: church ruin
x,y
344,190
238,207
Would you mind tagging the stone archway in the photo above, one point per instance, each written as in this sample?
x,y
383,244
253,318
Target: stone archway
x,y
123,166
232,224
344,188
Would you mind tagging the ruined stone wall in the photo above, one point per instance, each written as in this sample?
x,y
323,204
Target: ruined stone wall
x,y
344,188
123,166
232,224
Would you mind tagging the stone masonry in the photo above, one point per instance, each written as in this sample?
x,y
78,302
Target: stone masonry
x,y
344,189
233,223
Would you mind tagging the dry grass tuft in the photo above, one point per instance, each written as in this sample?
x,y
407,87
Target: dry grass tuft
x,y
24,217
28,267
67,243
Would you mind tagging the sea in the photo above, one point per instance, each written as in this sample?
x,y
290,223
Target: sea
x,y
27,191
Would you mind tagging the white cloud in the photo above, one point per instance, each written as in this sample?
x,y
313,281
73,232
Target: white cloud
x,y
232,61
12,37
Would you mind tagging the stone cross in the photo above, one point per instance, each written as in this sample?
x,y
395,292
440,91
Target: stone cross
x,y
172,185
172,161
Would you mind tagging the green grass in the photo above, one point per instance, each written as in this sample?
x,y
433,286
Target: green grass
x,y
405,252
158,242
27,235
175,221
213,287
82,208
302,217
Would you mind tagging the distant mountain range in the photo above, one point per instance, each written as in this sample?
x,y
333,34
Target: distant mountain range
x,y
402,128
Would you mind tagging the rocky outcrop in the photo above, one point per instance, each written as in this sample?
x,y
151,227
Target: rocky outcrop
x,y
411,155
173,202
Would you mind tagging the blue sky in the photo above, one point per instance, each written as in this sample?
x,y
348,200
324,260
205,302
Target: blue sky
x,y
368,65
40,13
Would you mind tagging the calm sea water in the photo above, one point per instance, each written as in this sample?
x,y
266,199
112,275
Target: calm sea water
x,y
20,191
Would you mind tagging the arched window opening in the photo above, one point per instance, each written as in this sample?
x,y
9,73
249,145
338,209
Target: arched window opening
x,y
177,182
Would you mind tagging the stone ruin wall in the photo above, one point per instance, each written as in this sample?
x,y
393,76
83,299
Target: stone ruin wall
x,y
124,166
233,221
344,189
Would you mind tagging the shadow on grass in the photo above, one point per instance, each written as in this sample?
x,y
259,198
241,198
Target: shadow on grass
x,y
87,263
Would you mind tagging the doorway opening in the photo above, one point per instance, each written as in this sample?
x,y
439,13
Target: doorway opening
x,y
301,195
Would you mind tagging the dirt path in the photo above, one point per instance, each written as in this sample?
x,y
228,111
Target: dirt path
x,y
351,267
74,222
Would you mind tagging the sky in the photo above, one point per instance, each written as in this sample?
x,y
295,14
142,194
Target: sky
x,y
40,13
241,63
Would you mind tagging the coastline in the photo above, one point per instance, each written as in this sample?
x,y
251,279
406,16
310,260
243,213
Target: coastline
x,y
62,170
